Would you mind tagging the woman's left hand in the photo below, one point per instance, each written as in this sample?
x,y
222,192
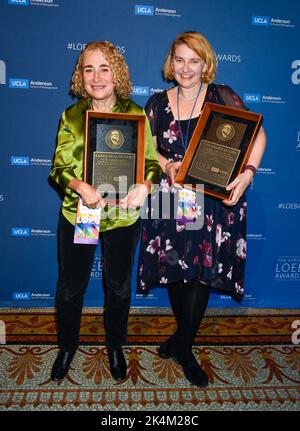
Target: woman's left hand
x,y
136,197
239,185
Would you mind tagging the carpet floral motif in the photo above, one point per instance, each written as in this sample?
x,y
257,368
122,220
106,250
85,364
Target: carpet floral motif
x,y
253,376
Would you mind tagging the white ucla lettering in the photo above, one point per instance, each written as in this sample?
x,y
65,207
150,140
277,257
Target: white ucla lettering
x,y
253,98
21,295
20,160
19,83
144,9
141,91
260,20
20,231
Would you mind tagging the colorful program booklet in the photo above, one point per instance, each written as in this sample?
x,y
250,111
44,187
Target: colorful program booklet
x,y
87,225
186,209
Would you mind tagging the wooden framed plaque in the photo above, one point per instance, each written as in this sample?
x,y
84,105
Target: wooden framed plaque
x,y
219,148
114,152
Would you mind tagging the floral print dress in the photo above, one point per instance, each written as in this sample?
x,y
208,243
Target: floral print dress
x,y
214,254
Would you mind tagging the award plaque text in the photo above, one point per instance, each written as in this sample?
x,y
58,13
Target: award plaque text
x,y
219,148
114,152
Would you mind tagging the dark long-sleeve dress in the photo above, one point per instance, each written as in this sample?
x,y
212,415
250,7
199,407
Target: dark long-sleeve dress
x,y
214,254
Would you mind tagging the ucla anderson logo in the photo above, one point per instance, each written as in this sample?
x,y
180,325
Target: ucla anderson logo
x,y
19,83
143,10
33,3
252,98
19,161
17,296
19,2
260,20
271,21
20,231
138,90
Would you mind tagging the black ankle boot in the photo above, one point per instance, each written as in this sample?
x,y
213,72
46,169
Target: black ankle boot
x,y
61,365
117,363
164,350
191,369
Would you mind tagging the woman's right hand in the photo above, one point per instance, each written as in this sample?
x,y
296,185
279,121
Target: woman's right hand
x,y
89,195
171,169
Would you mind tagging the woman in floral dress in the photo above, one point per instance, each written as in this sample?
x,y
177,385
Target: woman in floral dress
x,y
190,262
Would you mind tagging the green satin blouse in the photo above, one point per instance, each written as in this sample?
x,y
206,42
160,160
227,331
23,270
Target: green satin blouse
x,y
68,161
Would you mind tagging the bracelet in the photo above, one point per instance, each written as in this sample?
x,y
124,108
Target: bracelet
x,y
251,168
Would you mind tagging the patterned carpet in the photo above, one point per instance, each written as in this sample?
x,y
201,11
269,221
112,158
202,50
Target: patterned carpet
x,y
250,360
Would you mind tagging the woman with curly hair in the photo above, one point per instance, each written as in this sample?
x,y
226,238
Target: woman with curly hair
x,y
101,80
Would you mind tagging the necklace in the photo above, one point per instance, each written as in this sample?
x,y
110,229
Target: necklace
x,y
185,141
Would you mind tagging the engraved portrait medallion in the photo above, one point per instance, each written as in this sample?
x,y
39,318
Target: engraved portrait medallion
x,y
225,132
114,139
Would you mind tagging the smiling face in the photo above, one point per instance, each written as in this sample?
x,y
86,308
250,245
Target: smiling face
x,y
98,79
187,66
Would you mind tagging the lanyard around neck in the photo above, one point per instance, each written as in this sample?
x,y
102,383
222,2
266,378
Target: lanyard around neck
x,y
185,141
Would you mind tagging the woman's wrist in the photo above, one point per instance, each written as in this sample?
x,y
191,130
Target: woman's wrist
x,y
76,185
251,168
166,166
147,184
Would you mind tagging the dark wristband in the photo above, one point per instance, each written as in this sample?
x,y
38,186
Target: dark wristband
x,y
251,168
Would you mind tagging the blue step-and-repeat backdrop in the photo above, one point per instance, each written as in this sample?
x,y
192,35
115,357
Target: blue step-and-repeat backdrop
x,y
258,51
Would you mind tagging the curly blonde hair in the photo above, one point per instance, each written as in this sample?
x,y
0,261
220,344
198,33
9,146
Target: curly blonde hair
x,y
118,66
200,45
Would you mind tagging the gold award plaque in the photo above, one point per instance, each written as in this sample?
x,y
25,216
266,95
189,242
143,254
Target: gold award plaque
x,y
114,152
219,148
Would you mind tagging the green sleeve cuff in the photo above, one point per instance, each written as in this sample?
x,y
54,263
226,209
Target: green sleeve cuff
x,y
62,176
153,175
